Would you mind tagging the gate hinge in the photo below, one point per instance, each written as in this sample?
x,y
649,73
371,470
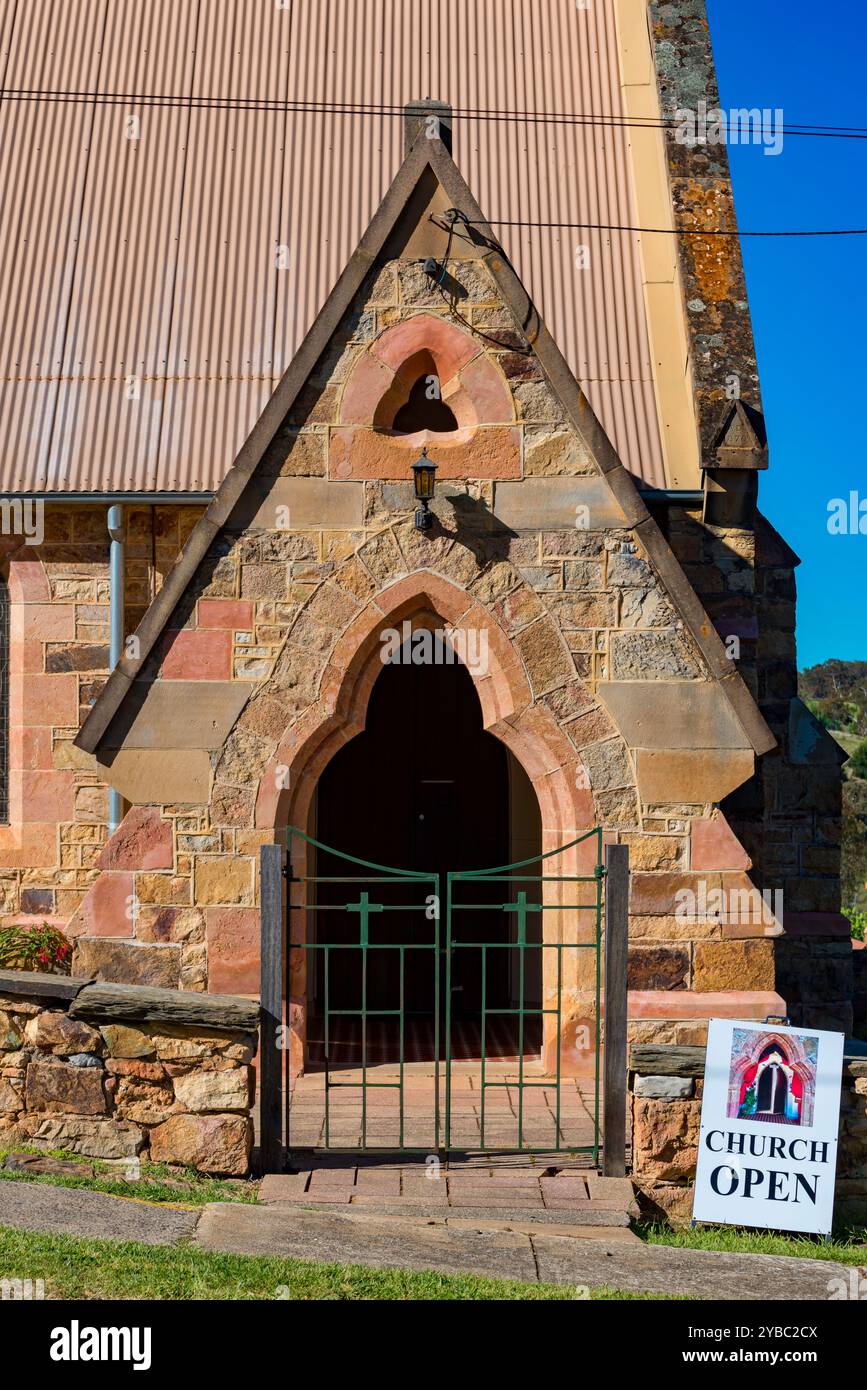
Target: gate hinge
x,y
599,871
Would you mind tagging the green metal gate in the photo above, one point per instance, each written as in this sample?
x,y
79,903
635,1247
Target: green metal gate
x,y
362,896
478,902
481,1005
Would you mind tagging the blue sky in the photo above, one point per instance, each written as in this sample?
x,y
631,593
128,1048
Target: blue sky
x,y
808,296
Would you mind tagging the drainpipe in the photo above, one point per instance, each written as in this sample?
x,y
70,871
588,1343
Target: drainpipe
x,y
117,589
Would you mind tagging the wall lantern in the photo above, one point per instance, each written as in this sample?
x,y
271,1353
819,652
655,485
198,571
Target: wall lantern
x,y
424,483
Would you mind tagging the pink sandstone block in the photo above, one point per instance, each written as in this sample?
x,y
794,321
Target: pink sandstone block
x,y
27,579
48,622
47,796
714,845
107,909
28,846
680,1004
488,392
27,656
233,950
491,451
143,840
51,699
30,748
450,348
199,655
232,614
364,390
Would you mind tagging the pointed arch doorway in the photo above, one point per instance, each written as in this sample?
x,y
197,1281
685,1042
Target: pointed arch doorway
x,y
475,1027
425,787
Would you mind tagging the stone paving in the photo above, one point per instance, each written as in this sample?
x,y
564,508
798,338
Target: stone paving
x,y
504,1108
451,1244
574,1194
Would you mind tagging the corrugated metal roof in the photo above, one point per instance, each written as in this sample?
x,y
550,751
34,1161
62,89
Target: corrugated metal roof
x,y
145,320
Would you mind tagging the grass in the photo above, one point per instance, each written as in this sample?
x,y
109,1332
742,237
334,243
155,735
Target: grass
x,y
848,1248
158,1182
848,742
75,1268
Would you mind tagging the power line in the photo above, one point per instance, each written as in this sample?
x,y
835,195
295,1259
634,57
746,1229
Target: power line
x,y
278,106
281,106
668,231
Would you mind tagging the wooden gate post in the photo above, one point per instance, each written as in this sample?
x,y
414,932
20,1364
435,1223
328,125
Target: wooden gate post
x,y
271,1055
614,1073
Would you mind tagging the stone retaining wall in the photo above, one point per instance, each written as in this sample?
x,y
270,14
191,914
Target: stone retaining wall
x,y
665,1088
119,1071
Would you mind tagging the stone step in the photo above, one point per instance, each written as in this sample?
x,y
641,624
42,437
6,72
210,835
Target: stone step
x,y
574,1198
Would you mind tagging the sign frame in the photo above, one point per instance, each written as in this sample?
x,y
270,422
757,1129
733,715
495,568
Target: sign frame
x,y
770,1117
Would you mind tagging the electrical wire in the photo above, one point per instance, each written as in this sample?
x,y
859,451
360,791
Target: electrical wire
x,y
281,105
473,113
671,231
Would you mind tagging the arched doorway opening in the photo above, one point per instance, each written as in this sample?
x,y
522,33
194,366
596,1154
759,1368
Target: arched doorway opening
x,y
424,787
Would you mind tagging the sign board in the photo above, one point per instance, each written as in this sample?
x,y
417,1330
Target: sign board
x,y
770,1110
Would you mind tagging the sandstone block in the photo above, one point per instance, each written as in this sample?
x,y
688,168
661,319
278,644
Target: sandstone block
x,y
714,845
311,503
664,1087
197,655
142,841
673,714
734,965
651,656
93,1138
123,1041
549,452
131,1066
657,967
224,881
142,1101
170,924
298,454
127,962
58,1089
210,1143
10,1034
665,1138
693,776
60,1034
183,1045
233,950
179,774
11,1095
214,1090
583,611
608,765
547,662
182,714
536,401
552,504
654,851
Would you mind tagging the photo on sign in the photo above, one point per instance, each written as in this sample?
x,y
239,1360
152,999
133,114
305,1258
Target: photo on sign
x,y
772,1077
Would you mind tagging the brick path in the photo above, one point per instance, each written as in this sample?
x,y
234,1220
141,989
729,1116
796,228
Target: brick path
x,y
492,1189
501,1104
